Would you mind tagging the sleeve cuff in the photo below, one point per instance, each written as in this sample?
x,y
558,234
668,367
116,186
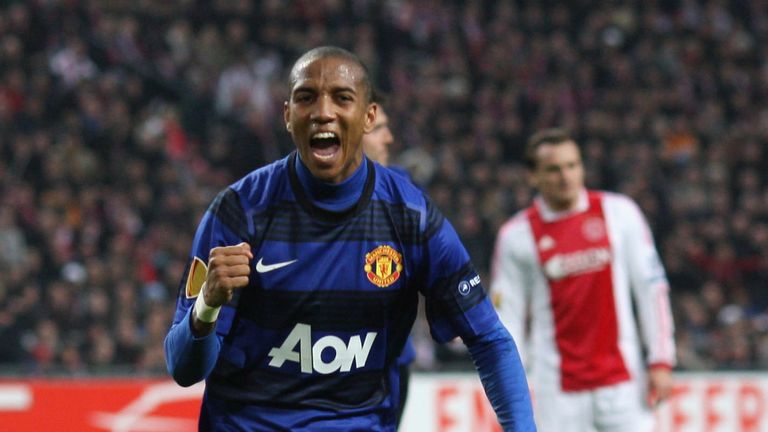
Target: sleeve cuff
x,y
660,365
189,319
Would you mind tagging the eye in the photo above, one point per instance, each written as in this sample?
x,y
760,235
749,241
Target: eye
x,y
345,97
302,97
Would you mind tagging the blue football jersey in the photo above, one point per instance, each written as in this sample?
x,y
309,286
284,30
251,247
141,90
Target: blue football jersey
x,y
313,340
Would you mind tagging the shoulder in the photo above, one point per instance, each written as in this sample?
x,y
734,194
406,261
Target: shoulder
x,y
617,204
514,253
260,186
394,190
515,237
516,225
401,171
396,185
247,196
262,176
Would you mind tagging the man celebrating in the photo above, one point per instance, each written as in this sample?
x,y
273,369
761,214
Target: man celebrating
x,y
304,275
574,262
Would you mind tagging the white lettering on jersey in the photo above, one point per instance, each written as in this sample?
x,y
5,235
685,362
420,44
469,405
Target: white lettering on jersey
x,y
310,358
563,265
465,287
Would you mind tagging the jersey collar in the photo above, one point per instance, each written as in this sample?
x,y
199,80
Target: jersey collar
x,y
549,215
325,214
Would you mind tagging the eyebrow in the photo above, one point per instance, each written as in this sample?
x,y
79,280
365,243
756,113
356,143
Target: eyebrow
x,y
335,89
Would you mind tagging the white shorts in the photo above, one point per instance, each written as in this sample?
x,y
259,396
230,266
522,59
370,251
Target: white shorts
x,y
617,408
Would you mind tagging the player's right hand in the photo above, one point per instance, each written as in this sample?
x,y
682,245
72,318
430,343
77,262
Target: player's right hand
x,y
228,269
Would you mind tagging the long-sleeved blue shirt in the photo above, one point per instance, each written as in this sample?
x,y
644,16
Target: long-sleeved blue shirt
x,y
311,343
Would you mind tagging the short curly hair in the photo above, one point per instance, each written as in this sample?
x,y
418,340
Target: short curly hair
x,y
329,51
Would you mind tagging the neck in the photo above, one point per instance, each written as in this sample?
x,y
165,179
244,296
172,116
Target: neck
x,y
333,196
562,206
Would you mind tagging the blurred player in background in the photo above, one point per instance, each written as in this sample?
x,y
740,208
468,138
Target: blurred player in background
x,y
578,264
377,142
304,280
376,145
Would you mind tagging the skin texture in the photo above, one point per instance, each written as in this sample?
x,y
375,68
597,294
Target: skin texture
x,y
377,142
660,383
558,175
559,178
328,95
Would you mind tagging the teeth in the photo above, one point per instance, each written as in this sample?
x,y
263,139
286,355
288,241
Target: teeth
x,y
324,135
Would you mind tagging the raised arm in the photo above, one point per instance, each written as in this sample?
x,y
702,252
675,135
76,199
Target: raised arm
x,y
219,264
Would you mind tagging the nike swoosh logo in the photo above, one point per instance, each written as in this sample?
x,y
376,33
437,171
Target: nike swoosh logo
x,y
263,268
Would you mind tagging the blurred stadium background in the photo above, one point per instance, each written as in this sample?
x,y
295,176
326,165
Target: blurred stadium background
x,y
121,119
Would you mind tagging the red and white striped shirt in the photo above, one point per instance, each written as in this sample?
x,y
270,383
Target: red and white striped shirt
x,y
576,275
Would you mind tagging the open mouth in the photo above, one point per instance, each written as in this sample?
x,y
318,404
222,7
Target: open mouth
x,y
324,145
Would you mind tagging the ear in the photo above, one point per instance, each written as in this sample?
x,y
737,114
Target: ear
x,y
370,117
287,116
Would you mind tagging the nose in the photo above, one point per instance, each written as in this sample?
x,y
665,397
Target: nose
x,y
323,111
389,139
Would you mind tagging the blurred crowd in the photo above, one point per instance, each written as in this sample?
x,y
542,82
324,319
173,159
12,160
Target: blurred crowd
x,y
121,119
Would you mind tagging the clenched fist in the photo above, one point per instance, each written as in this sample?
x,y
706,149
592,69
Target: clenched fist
x,y
228,269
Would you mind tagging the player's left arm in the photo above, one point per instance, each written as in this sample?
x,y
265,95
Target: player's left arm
x,y
650,290
457,305
501,372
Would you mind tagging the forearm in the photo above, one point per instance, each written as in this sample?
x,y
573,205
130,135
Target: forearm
x,y
190,359
503,377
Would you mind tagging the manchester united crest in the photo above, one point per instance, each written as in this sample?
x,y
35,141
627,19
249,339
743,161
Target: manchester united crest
x,y
383,266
